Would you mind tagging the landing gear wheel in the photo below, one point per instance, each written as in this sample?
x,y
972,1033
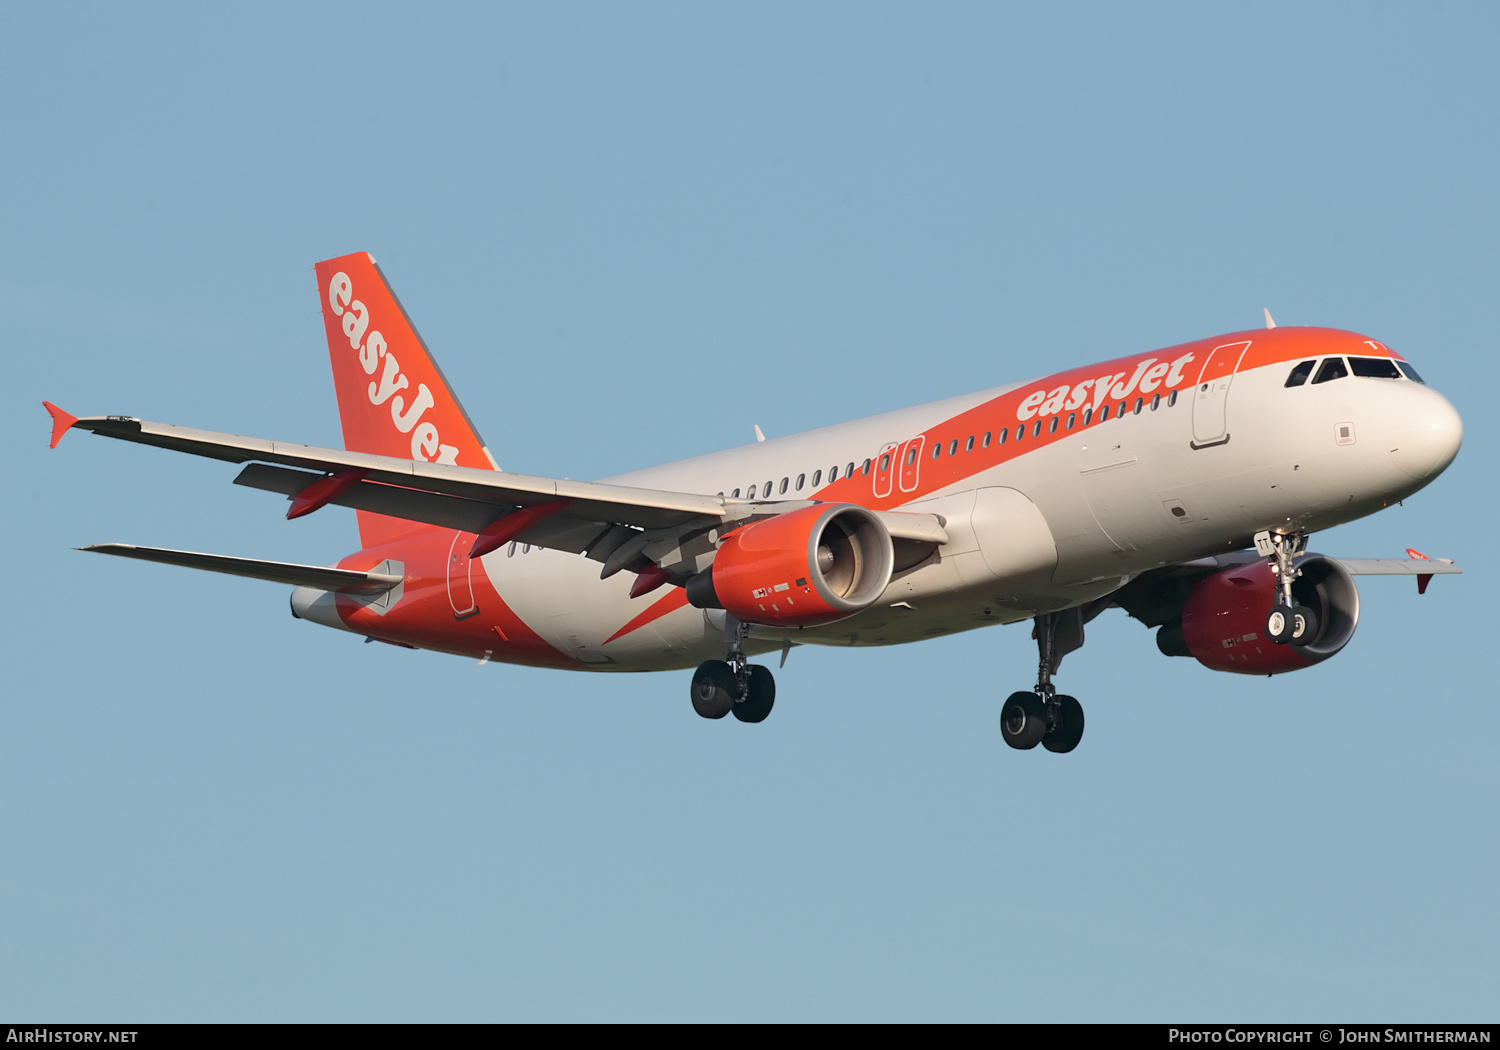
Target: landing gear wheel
x,y
1280,625
760,695
1304,625
1064,736
714,689
1023,721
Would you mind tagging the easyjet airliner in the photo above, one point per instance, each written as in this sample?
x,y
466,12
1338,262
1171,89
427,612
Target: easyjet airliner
x,y
1179,485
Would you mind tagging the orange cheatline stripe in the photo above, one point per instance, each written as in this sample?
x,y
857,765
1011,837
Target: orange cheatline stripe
x,y
669,603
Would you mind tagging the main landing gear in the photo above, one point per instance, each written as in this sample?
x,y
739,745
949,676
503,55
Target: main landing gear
x,y
1288,622
1047,717
722,687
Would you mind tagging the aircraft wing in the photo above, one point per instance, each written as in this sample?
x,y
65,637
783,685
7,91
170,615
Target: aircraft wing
x,y
1398,566
578,516
646,508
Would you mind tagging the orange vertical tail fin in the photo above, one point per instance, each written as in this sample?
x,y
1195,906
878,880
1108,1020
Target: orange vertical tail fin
x,y
393,398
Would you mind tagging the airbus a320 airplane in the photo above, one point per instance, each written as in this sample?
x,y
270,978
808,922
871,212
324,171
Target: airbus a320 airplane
x,y
1179,485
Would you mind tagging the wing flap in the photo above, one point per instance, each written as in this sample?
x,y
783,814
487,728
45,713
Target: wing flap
x,y
347,580
433,508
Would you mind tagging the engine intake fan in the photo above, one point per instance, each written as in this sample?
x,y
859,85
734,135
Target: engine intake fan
x,y
805,568
1223,618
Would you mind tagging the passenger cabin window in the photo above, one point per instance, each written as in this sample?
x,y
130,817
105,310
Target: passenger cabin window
x,y
1072,418
1003,435
953,446
1332,368
1155,402
866,468
801,480
1300,373
751,493
833,474
1410,372
783,485
986,442
1104,413
1374,367
736,493
1172,400
969,445
767,490
1052,426
1138,403
937,450
817,478
1020,431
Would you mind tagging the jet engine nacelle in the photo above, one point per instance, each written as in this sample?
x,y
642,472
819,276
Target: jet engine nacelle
x,y
1223,623
804,568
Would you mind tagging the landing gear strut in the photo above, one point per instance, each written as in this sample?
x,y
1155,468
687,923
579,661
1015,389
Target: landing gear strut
x,y
1288,621
1047,717
736,686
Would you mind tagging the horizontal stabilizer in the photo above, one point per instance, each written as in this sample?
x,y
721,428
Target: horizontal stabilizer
x,y
347,580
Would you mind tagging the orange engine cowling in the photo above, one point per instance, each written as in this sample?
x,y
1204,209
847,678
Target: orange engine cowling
x,y
1223,623
803,568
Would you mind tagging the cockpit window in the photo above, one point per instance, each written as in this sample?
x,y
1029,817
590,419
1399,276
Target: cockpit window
x,y
1332,368
1300,373
1374,367
1411,373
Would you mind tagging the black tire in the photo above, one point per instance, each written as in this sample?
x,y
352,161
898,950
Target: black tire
x,y
1023,721
713,689
1065,735
1279,624
760,695
1304,625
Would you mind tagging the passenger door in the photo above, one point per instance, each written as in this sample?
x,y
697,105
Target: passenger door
x,y
1210,422
460,587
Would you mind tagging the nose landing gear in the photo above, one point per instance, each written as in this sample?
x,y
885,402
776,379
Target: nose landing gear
x,y
1047,717
734,686
1287,622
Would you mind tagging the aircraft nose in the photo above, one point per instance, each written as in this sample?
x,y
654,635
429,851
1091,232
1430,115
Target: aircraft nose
x,y
1429,435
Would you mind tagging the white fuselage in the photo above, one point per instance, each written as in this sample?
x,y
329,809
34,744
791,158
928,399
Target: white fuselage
x,y
1069,520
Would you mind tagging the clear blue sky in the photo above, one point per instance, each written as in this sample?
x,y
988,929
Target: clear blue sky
x,y
629,233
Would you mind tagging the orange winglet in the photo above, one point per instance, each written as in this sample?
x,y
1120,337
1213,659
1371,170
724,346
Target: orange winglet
x,y
502,530
61,421
323,492
648,579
